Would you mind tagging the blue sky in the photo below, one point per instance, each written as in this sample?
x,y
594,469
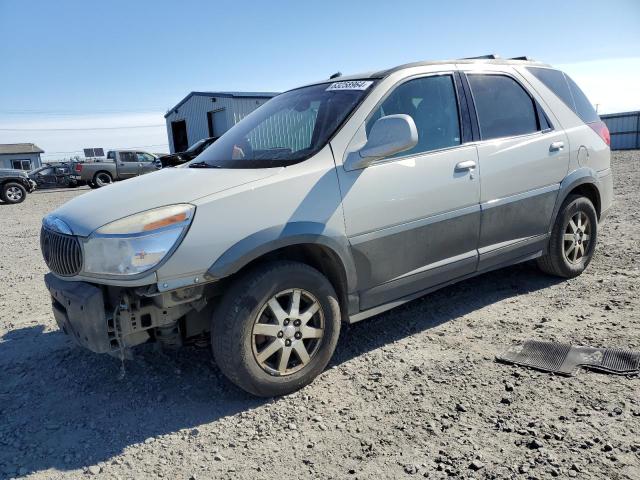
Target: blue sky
x,y
82,64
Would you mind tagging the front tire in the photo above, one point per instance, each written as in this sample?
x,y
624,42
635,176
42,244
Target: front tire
x,y
13,192
573,239
276,328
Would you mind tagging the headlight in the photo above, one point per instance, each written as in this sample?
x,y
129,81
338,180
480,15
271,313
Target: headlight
x,y
135,244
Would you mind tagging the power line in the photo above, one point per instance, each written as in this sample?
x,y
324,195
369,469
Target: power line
x,y
77,129
110,148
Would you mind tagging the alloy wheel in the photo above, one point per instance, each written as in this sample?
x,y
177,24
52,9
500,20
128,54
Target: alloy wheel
x,y
14,194
287,332
577,236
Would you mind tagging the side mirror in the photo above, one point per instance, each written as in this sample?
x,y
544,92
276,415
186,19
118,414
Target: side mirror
x,y
390,135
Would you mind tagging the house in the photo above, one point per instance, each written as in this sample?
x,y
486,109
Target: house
x,y
209,114
20,156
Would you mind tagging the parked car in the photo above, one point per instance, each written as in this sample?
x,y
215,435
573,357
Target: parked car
x,y
60,175
331,203
179,158
120,165
14,185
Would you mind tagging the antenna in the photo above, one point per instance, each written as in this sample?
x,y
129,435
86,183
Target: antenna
x,y
335,75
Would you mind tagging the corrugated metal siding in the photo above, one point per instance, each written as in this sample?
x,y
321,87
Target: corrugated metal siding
x,y
5,160
286,130
194,112
624,129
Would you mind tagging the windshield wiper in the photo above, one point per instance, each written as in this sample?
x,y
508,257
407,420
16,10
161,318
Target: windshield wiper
x,y
203,165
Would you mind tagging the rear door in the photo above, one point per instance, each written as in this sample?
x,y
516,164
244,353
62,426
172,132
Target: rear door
x,y
127,163
523,156
413,219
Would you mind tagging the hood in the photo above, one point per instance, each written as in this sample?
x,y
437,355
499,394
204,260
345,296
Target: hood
x,y
86,213
13,172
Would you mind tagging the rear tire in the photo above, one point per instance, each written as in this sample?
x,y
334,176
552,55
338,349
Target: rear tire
x,y
13,193
102,179
573,239
276,328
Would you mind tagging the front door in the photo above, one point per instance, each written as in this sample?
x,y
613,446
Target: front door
x,y
146,163
413,219
523,159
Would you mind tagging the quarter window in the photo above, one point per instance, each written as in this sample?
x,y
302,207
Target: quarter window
x,y
431,102
567,90
504,108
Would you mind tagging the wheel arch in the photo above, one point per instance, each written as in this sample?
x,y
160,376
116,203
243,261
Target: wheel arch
x,y
583,181
102,171
305,242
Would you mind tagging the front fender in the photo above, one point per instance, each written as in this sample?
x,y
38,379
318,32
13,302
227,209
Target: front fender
x,y
270,239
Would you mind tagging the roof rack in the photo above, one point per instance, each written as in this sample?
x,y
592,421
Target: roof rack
x,y
524,57
491,56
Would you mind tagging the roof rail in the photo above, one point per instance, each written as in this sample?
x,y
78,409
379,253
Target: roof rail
x,y
524,57
491,56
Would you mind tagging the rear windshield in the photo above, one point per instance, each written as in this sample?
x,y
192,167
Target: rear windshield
x,y
568,91
287,129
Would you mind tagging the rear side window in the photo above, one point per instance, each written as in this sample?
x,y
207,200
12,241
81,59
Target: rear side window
x,y
432,103
504,108
567,91
584,109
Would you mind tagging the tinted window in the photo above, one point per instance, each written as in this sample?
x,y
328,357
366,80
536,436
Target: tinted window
x,y
567,91
128,157
554,80
584,109
431,102
504,108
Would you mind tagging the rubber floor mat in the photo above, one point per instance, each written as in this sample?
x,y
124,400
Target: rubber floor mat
x,y
566,359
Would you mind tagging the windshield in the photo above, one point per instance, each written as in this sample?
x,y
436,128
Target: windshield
x,y
196,145
287,129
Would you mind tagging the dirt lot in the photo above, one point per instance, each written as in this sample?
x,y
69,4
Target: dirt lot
x,y
413,392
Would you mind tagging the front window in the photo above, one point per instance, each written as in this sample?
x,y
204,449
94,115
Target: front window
x,y
432,103
287,129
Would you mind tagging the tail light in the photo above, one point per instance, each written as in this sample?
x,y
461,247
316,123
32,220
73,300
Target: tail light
x,y
601,129
78,167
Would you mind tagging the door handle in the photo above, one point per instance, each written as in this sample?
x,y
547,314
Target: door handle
x,y
555,146
466,165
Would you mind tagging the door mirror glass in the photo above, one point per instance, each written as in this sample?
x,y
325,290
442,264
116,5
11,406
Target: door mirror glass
x,y
390,135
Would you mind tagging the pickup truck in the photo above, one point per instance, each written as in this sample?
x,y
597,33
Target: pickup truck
x,y
120,165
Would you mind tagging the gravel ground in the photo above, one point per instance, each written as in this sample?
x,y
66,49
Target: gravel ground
x,y
412,392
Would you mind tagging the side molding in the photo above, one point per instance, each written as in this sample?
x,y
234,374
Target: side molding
x,y
274,238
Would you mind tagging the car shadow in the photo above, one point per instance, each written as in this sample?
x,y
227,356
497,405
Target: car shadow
x,y
63,407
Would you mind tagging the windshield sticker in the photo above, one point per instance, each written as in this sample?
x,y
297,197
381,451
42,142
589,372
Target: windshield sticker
x,y
350,85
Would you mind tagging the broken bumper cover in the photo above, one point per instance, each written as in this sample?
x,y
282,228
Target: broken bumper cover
x,y
79,310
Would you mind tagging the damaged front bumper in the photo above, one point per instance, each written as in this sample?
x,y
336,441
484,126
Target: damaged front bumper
x,y
107,319
79,310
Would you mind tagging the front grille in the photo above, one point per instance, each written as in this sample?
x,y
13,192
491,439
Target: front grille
x,y
61,252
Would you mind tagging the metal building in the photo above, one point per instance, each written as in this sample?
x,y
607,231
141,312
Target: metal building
x,y
20,156
209,114
624,129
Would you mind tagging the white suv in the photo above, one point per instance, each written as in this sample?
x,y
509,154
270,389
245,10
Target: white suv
x,y
331,203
